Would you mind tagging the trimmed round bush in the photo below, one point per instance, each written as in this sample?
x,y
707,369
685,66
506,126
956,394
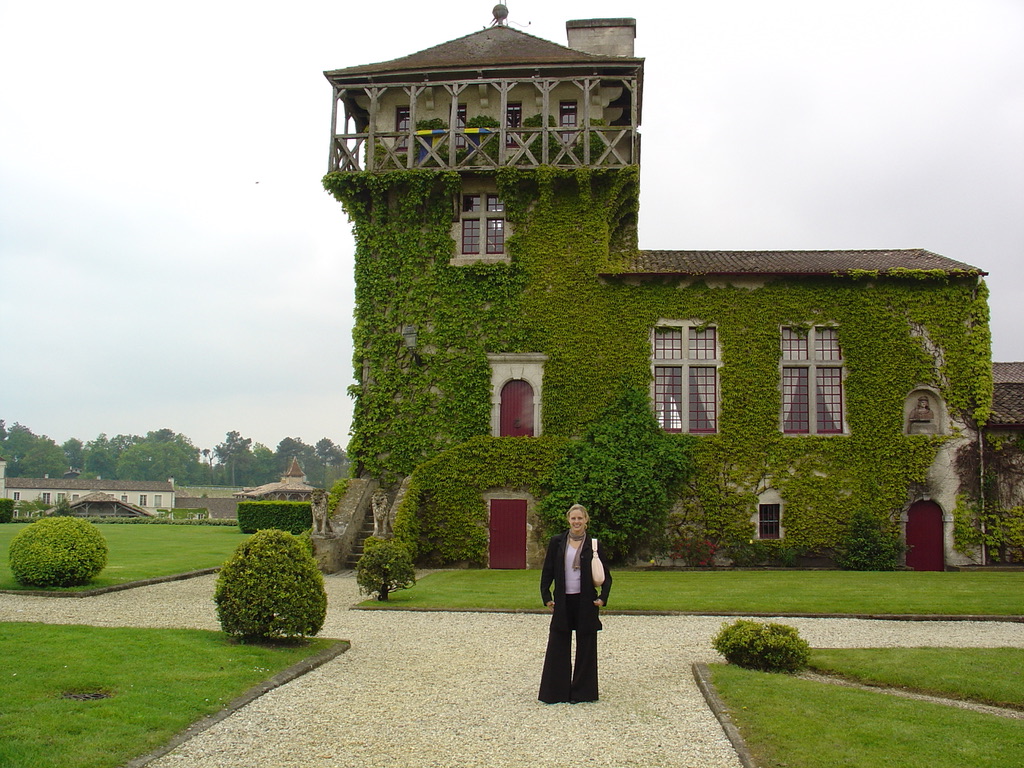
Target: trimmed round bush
x,y
57,552
764,647
271,588
384,567
6,510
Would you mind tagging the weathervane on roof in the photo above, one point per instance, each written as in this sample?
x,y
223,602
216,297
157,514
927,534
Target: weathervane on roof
x,y
500,14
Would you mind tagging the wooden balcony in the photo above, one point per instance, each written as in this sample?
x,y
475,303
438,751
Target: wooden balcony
x,y
358,145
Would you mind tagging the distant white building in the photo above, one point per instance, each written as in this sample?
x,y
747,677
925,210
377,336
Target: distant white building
x,y
149,495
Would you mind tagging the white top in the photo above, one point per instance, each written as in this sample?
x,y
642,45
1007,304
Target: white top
x,y
572,575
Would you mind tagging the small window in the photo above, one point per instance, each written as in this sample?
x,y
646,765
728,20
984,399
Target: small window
x,y
567,114
158,500
513,120
460,124
61,497
46,498
769,521
124,497
17,496
402,117
142,499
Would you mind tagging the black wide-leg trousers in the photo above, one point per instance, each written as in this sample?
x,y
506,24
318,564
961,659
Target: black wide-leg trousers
x,y
560,681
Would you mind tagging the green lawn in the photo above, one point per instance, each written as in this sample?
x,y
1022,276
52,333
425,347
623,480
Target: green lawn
x,y
901,592
159,681
988,675
795,723
145,551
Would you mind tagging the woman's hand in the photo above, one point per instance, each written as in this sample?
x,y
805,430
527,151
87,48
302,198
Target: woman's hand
x,y
551,603
599,602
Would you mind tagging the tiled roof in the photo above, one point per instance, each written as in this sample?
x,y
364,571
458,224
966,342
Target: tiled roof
x,y
1007,394
1008,373
1007,404
496,46
791,262
78,484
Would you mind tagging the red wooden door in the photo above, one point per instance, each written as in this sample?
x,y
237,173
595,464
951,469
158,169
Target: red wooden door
x,y
516,409
924,537
508,533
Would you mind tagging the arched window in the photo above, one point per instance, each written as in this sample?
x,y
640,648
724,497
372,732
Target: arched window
x,y
516,418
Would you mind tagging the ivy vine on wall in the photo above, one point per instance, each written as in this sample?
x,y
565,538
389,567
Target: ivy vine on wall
x,y
414,409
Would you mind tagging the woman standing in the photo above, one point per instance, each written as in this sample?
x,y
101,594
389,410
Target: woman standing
x,y
576,605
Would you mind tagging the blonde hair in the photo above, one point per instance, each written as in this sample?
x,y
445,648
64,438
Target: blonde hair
x,y
581,508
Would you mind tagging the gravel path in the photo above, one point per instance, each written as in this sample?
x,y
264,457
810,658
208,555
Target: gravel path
x,y
424,690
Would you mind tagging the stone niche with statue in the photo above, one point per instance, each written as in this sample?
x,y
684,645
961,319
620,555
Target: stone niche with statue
x,y
924,413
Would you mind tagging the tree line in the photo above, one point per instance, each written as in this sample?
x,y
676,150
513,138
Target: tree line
x,y
163,453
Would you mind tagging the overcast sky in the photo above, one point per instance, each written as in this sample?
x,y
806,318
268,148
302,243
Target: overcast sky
x,y
168,257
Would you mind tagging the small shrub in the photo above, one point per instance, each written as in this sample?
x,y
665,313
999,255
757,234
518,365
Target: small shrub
x,y
6,510
871,544
57,552
271,588
384,567
765,647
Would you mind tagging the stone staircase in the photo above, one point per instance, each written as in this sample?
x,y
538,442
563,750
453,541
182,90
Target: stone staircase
x,y
365,532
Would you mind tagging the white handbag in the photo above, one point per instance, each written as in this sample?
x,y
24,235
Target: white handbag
x,y
596,566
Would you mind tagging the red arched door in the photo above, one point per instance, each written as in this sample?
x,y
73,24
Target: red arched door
x,y
516,409
924,537
508,533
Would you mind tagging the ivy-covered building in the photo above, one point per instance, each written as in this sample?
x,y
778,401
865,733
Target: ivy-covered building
x,y
503,306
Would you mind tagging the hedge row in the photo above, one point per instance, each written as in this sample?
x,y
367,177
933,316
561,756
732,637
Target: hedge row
x,y
139,521
291,516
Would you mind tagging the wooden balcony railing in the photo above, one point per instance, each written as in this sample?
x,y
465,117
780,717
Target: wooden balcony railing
x,y
486,149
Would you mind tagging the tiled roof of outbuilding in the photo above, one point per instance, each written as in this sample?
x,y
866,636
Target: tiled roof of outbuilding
x,y
1007,394
792,262
495,46
1008,373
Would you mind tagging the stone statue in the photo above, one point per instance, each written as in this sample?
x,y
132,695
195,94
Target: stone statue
x,y
321,518
381,527
923,411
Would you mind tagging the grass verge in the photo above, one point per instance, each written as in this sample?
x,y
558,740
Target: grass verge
x,y
987,675
143,552
826,592
796,723
159,682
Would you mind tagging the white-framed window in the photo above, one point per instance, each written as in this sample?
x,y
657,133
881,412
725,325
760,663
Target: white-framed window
x,y
812,382
483,225
480,229
17,496
142,499
124,497
158,500
61,497
46,497
685,359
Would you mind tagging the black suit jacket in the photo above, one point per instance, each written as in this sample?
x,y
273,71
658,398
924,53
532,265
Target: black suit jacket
x,y
553,573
